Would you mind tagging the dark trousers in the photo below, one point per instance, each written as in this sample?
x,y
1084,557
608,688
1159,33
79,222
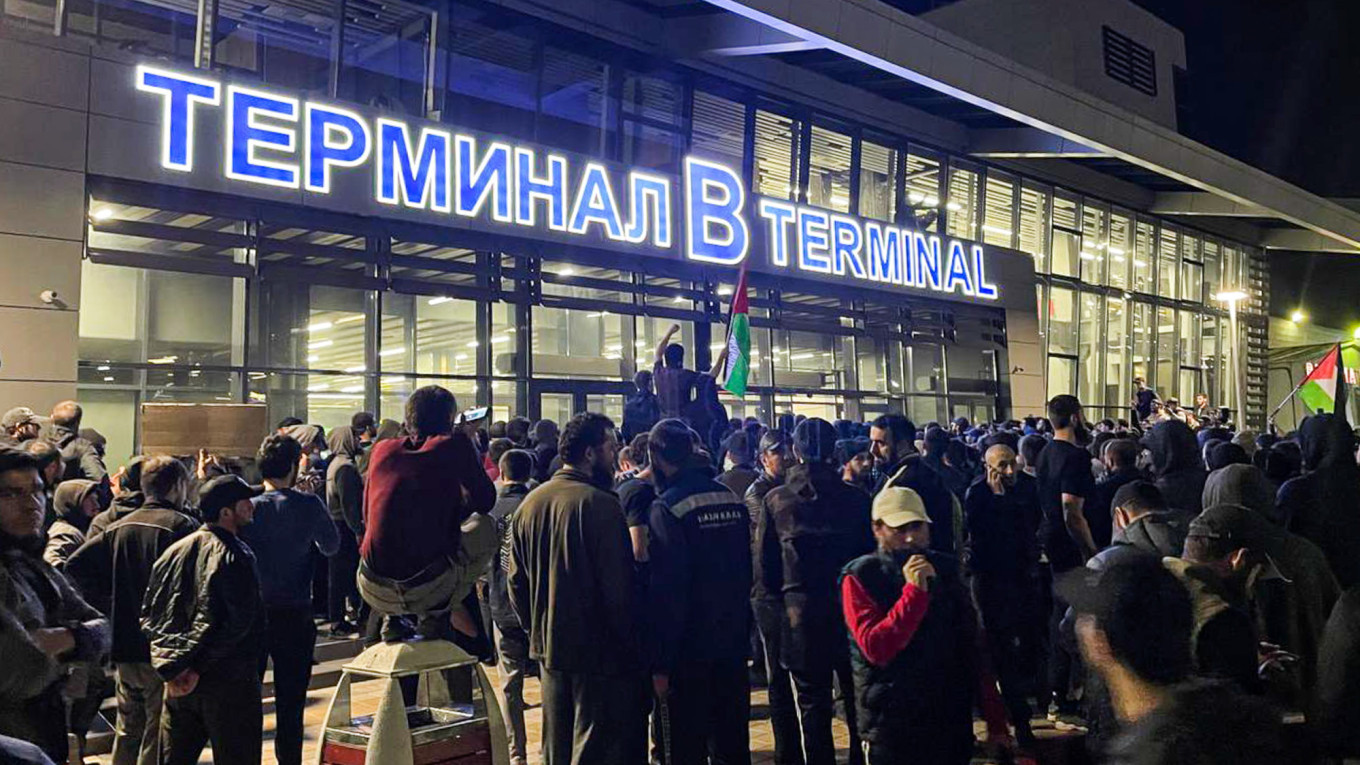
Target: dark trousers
x,y
591,719
290,639
704,718
788,744
1012,623
816,706
224,710
342,568
1061,662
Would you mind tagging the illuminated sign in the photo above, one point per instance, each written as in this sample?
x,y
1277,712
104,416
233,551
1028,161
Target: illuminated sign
x,y
315,147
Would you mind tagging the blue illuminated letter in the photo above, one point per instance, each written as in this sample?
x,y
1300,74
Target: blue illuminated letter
x,y
883,245
335,138
957,271
780,215
846,242
180,93
245,136
595,203
927,257
422,183
654,190
480,181
812,241
714,198
984,289
529,187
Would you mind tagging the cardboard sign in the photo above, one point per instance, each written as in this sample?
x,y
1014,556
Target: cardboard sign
x,y
229,430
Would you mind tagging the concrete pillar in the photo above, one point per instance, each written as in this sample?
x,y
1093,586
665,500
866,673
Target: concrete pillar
x,y
43,122
1026,356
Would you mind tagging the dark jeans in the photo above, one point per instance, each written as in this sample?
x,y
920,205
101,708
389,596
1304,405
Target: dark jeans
x,y
224,710
704,718
788,744
816,706
290,639
591,719
1012,623
343,566
1061,662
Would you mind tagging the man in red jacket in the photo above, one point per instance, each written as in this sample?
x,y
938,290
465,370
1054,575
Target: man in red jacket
x,y
915,645
426,538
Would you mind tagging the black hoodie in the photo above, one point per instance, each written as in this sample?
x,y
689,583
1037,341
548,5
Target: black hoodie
x,y
1176,466
1323,505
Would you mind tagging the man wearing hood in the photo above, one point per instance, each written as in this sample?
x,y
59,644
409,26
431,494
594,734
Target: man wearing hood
x,y
816,525
345,501
127,497
1143,525
1323,504
112,570
937,445
76,503
570,587
1292,609
1176,465
44,623
698,603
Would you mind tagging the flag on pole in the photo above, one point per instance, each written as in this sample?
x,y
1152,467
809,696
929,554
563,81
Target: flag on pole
x,y
737,364
1322,389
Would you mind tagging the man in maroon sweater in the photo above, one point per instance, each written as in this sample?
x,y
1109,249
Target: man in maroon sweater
x,y
426,538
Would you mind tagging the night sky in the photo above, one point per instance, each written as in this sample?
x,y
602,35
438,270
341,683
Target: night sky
x,y
1277,85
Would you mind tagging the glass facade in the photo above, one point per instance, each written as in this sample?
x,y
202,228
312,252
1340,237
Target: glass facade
x,y
289,310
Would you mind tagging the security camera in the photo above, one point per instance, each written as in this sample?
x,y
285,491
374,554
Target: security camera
x,y
48,296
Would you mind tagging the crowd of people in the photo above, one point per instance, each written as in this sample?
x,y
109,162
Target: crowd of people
x,y
1169,586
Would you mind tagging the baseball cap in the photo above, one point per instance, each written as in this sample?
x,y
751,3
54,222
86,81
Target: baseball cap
x,y
1241,527
896,506
19,415
222,492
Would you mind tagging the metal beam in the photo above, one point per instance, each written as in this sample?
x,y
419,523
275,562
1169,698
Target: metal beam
x,y
1303,240
729,35
1205,203
1026,142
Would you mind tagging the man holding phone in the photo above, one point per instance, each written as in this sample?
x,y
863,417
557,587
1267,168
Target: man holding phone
x,y
914,648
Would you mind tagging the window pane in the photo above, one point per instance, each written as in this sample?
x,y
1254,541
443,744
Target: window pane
x,y
571,101
1062,318
1117,393
432,335
1192,282
718,129
1119,260
1066,236
925,367
1190,340
773,168
313,326
1094,242
1142,339
962,203
326,400
871,366
1143,258
877,181
1208,351
653,98
493,79
972,369
646,146
395,390
1034,226
829,170
1212,264
1166,350
996,227
923,188
556,407
807,360
923,409
1088,350
1168,263
569,342
1061,375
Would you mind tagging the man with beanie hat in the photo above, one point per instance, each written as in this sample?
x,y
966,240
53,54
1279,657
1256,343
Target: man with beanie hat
x,y
698,604
814,525
914,648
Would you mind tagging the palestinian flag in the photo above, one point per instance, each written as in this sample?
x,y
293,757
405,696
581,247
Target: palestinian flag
x,y
737,364
1322,390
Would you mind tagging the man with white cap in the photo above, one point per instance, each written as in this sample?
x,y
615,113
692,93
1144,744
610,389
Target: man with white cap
x,y
914,647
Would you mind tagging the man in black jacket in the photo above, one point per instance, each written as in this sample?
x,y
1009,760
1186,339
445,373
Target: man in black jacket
x,y
698,604
517,468
204,618
815,524
892,440
112,570
768,607
80,457
1120,456
127,497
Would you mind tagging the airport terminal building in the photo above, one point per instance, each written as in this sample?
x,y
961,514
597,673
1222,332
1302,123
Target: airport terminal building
x,y
944,208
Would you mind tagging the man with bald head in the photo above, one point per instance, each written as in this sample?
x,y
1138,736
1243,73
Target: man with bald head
x,y
1001,514
80,457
